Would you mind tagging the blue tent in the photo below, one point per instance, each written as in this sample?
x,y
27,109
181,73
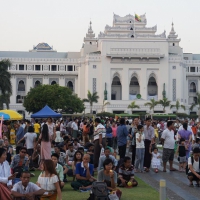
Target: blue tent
x,y
46,112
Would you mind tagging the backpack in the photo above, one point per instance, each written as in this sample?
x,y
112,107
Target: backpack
x,y
187,168
99,191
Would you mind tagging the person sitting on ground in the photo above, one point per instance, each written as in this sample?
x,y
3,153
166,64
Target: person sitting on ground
x,y
107,175
62,156
25,189
59,168
84,171
5,177
194,167
19,163
36,157
196,144
90,151
81,149
76,144
106,156
126,174
9,150
78,158
70,154
49,181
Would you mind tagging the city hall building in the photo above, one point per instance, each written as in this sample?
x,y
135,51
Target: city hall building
x,y
126,62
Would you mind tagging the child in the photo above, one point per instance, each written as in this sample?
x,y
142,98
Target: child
x,y
70,154
155,162
126,174
76,144
181,150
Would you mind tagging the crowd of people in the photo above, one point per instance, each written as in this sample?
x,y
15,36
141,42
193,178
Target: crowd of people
x,y
78,148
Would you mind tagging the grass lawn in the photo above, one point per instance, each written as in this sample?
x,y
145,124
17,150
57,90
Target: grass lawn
x,y
143,191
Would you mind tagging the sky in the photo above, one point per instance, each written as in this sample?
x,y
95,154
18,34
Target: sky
x,y
64,23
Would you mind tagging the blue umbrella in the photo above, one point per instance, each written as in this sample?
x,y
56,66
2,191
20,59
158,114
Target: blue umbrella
x,y
5,116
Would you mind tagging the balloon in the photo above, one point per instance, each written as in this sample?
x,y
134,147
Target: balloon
x,y
129,184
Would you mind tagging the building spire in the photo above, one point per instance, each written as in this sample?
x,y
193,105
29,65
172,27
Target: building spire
x,y
172,33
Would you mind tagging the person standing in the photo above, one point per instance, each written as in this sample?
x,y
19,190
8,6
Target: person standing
x,y
74,127
132,135
187,136
140,149
19,136
149,141
30,137
122,134
52,128
109,133
114,136
37,128
99,140
168,150
45,143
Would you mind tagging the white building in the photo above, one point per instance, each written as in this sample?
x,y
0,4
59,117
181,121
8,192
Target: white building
x,y
128,57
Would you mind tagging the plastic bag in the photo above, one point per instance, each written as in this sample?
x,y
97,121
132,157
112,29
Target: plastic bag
x,y
113,196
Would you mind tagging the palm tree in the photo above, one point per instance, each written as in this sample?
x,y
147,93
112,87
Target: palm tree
x,y
197,103
5,76
133,105
4,99
105,104
165,103
5,83
152,104
177,106
91,98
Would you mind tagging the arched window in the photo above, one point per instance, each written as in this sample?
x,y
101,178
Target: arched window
x,y
21,86
193,87
37,83
152,88
70,85
53,83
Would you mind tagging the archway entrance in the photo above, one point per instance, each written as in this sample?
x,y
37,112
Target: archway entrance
x,y
70,85
116,89
152,89
134,88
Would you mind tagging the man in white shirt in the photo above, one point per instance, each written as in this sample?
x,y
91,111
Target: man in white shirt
x,y
194,167
74,127
26,190
99,140
168,150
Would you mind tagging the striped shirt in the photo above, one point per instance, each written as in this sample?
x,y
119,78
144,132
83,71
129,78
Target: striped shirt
x,y
126,173
100,130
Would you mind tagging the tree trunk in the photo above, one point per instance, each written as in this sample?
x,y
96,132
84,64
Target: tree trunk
x,y
90,109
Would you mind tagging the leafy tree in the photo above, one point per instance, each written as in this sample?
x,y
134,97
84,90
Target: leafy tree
x,y
152,104
91,98
197,103
55,96
133,105
165,103
177,106
105,103
5,83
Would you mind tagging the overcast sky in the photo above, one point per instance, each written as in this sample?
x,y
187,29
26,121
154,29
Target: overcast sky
x,y
64,23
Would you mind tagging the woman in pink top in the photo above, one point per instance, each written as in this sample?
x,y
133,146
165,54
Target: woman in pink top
x,y
114,136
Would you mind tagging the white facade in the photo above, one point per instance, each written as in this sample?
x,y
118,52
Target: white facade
x,y
128,57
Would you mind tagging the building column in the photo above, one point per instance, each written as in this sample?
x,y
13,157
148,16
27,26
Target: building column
x,y
125,84
14,92
143,81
